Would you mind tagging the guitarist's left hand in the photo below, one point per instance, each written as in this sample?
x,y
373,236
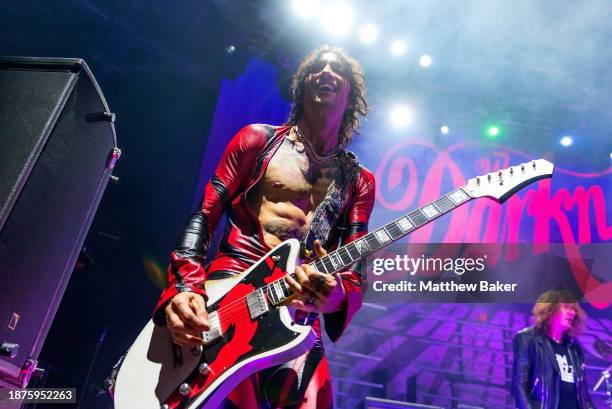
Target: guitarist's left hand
x,y
316,291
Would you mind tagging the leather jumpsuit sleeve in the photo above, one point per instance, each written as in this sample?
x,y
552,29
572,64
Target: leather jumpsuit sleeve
x,y
186,270
354,280
521,372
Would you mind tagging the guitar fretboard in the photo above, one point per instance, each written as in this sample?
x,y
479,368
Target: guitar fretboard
x,y
345,256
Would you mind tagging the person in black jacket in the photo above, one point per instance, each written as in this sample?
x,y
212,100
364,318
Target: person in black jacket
x,y
548,371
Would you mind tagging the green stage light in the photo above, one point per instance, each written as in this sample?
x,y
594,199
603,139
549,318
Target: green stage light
x,y
493,131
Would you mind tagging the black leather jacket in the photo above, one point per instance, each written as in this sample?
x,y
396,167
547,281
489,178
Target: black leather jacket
x,y
535,375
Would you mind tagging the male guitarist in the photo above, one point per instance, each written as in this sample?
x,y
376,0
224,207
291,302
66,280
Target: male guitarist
x,y
276,183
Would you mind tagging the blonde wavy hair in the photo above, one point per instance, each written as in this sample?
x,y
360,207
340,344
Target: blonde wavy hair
x,y
548,304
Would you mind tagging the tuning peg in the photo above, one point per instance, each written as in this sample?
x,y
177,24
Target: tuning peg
x,y
184,389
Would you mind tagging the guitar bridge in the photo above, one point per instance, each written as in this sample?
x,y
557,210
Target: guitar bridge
x,y
256,301
215,329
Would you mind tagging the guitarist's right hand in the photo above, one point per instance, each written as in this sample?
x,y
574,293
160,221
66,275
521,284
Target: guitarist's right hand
x,y
187,318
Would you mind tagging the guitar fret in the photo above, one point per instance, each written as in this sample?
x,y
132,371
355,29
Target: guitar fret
x,y
278,290
382,235
271,297
444,204
405,224
285,287
362,246
335,259
319,266
430,211
417,218
458,196
329,267
372,242
353,251
345,256
394,230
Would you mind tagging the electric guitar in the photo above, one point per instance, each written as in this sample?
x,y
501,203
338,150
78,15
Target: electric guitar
x,y
250,327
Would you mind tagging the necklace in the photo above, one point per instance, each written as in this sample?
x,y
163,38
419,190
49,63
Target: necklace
x,y
311,152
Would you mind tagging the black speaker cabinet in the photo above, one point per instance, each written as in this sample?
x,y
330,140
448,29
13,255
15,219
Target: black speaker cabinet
x,y
57,151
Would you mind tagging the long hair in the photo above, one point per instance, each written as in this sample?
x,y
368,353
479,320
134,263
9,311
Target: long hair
x,y
357,105
548,304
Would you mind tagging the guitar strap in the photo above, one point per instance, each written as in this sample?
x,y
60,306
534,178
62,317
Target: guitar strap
x,y
328,212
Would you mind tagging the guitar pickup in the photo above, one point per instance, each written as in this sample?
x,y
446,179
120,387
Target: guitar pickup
x,y
256,301
215,329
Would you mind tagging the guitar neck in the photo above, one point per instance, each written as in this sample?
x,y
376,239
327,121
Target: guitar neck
x,y
345,256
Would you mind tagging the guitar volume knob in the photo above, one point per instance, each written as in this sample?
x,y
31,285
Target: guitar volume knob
x,y
164,406
204,368
184,389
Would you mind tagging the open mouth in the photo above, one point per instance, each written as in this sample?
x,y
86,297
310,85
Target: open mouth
x,y
326,87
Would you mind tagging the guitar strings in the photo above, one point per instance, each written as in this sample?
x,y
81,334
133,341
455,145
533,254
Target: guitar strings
x,y
267,286
236,305
234,308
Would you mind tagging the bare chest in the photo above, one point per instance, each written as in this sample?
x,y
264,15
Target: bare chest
x,y
290,177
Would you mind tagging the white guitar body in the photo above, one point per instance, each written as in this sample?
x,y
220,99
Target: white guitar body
x,y
148,375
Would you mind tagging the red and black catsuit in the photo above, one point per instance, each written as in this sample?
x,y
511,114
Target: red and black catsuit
x,y
304,382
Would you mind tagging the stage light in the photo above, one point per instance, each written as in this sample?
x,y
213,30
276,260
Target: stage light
x,y
368,33
230,49
401,116
566,141
444,130
338,18
305,8
610,155
398,47
425,61
493,131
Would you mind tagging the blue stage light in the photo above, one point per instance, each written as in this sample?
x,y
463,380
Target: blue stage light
x,y
425,61
566,141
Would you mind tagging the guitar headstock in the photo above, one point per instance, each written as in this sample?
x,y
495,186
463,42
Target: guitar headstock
x,y
502,184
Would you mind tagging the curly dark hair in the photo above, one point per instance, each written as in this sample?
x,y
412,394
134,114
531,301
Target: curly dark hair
x,y
357,105
548,304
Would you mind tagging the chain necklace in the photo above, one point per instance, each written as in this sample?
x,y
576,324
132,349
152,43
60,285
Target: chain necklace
x,y
311,152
